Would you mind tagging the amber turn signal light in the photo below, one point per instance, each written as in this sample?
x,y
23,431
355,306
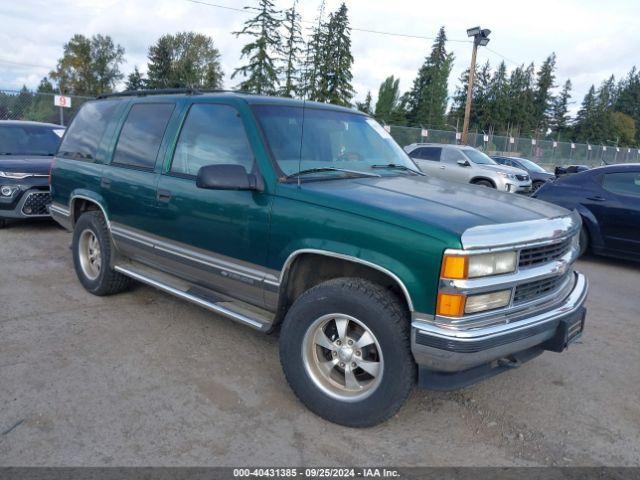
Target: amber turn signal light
x,y
455,266
450,304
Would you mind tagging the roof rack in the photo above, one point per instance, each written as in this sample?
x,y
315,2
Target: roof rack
x,y
162,91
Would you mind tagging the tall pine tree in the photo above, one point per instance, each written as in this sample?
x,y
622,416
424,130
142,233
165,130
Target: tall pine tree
x,y
560,111
315,54
292,53
429,95
261,74
542,98
388,98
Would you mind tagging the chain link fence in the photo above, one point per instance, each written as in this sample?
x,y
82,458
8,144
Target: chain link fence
x,y
36,106
547,153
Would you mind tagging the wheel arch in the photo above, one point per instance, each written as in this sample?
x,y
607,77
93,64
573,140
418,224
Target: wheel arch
x,y
82,202
477,179
306,268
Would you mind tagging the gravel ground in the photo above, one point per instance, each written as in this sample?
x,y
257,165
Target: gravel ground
x,y
142,378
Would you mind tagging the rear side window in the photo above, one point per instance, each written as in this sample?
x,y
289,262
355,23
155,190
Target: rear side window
x,y
142,134
83,137
626,183
427,153
211,135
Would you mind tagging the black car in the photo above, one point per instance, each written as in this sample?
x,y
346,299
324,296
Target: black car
x,y
608,199
567,169
539,176
26,153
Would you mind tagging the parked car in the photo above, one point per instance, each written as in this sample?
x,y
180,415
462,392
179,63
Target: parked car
x,y
373,273
539,176
564,170
26,152
608,200
467,165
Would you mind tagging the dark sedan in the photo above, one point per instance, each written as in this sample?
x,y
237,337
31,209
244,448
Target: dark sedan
x,y
539,176
26,153
608,199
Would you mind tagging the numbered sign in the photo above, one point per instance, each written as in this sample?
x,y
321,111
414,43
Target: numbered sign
x,y
555,144
425,132
486,138
573,146
512,140
533,141
62,101
458,135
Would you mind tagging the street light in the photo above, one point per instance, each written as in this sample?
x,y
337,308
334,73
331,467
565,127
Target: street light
x,y
480,37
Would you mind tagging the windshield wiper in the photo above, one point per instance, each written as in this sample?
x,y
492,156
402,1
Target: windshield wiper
x,y
331,169
395,166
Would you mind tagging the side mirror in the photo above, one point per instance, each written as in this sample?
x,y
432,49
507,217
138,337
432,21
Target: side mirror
x,y
463,163
226,177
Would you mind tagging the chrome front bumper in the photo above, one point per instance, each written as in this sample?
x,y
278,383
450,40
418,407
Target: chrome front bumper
x,y
442,349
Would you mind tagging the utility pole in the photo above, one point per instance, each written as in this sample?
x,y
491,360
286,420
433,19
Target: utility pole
x,y
480,37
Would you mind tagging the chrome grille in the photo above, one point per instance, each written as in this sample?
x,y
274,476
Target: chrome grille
x,y
36,203
543,254
533,290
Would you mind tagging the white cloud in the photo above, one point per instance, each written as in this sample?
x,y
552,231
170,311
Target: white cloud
x,y
592,39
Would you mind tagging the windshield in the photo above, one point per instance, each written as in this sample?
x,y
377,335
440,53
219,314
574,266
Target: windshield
x,y
29,140
330,140
478,157
529,165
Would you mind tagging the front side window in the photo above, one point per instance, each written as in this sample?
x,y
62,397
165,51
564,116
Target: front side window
x,y
624,183
451,155
212,134
28,139
83,136
142,134
313,138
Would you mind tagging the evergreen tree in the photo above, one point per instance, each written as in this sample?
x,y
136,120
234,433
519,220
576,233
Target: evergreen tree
x,y
45,86
135,81
560,110
542,98
186,59
261,74
293,53
586,128
314,57
628,98
89,66
521,92
366,105
497,98
429,95
334,75
388,98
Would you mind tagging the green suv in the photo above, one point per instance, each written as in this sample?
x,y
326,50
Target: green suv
x,y
309,220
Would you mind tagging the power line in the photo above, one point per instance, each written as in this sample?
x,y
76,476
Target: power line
x,y
502,56
355,29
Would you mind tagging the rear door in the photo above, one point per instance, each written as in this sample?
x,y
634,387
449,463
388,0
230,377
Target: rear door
x,y
128,184
428,159
617,209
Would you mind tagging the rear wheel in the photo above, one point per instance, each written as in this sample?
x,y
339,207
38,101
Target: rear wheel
x,y
536,186
92,254
345,351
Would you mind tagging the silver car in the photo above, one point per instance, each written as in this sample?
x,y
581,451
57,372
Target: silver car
x,y
463,164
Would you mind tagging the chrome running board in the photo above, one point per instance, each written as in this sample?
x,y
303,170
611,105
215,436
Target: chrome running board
x,y
235,310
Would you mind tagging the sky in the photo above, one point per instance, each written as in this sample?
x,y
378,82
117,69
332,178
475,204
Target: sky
x,y
592,39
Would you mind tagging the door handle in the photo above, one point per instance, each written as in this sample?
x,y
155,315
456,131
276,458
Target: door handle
x,y
442,167
597,198
105,182
163,196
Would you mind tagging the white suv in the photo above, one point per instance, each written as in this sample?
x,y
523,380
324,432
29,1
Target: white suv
x,y
458,163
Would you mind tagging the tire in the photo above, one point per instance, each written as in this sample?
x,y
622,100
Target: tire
x,y
366,307
583,241
484,183
96,276
536,186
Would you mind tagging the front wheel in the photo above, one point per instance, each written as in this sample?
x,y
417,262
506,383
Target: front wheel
x,y
345,351
484,183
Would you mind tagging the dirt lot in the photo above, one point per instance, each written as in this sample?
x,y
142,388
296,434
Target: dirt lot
x,y
142,378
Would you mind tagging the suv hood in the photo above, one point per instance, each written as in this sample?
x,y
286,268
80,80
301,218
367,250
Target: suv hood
x,y
38,165
503,168
424,203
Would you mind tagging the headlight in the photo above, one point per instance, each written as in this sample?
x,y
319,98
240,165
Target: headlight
x,y
15,175
510,176
8,190
487,301
482,265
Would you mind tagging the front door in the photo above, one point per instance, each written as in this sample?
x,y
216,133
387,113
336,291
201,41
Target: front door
x,y
214,238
